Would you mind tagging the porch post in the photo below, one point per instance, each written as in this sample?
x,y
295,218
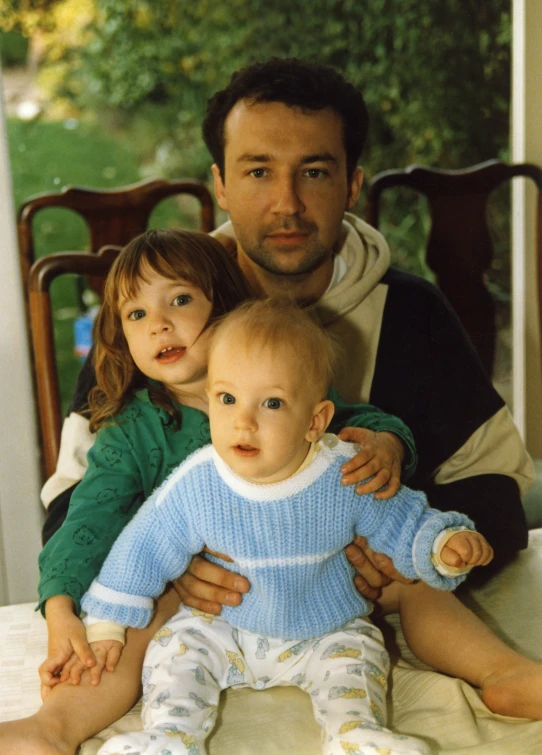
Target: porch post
x,y
21,513
526,147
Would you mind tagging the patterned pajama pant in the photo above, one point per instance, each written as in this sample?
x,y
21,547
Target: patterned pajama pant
x,y
195,656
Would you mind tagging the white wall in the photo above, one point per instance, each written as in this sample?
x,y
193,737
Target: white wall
x,y
526,147
21,513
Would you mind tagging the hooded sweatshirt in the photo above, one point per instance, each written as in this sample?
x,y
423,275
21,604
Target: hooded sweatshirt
x,y
408,355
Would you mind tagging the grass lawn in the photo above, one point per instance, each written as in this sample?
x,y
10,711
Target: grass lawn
x,y
45,157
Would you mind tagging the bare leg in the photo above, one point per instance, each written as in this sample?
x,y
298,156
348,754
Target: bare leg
x,y
446,635
72,714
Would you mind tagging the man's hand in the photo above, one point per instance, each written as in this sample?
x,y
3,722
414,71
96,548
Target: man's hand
x,y
207,586
466,549
375,570
380,457
66,636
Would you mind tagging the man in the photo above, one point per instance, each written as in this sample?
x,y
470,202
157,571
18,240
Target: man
x,y
286,137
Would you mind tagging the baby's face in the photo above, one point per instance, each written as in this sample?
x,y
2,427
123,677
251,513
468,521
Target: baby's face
x,y
260,408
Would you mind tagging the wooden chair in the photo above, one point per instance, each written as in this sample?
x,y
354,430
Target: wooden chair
x,y
113,216
459,248
42,274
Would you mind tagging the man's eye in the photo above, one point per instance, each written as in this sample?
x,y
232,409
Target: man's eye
x,y
137,314
182,300
272,403
226,398
258,172
315,173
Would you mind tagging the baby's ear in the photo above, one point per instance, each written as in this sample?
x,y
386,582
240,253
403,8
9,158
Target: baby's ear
x,y
322,415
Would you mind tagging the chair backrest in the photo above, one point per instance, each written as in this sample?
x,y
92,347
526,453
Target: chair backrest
x,y
459,248
113,216
42,274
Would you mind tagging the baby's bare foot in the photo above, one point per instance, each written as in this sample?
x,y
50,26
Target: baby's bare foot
x,y
516,691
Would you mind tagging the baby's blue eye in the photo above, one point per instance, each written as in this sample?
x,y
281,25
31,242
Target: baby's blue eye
x,y
273,403
182,300
137,314
226,398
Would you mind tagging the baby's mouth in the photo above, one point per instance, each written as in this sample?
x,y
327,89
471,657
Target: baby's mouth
x,y
243,449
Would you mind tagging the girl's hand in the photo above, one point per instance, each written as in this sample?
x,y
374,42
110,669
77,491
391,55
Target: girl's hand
x,y
466,549
107,654
66,636
380,459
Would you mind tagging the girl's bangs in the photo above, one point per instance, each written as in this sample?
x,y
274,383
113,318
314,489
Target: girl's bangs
x,y
136,269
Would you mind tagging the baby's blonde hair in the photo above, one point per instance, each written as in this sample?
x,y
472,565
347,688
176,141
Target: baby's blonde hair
x,y
280,323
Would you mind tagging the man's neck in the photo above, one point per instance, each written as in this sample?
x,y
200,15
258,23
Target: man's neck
x,y
305,288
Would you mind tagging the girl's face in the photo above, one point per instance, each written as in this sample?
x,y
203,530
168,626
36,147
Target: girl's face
x,y
163,324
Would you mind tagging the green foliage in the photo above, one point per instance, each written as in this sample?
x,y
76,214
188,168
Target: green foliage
x,y
13,48
435,75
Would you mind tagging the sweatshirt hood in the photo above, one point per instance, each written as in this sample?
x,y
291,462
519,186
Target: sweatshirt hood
x,y
367,258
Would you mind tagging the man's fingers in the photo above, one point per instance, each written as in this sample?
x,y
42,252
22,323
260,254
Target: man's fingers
x,y
207,606
216,554
216,575
361,563
372,593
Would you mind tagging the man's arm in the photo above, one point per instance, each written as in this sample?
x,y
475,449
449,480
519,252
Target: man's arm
x,y
471,457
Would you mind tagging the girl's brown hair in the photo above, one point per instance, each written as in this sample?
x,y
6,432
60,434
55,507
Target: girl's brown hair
x,y
188,255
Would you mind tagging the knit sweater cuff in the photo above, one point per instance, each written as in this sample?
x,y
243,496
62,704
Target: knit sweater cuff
x,y
423,547
110,605
105,630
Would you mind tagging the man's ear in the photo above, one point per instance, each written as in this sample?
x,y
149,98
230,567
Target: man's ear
x,y
220,191
354,187
322,416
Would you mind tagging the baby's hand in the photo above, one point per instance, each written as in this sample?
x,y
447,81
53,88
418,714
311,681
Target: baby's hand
x,y
107,654
467,548
380,458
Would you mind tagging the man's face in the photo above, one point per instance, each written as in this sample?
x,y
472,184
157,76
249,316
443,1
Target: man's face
x,y
285,187
260,408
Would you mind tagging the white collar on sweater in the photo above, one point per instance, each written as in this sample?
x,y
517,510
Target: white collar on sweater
x,y
292,485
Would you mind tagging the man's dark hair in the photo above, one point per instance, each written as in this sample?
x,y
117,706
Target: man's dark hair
x,y
296,83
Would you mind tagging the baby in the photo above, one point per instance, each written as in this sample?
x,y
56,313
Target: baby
x,y
266,493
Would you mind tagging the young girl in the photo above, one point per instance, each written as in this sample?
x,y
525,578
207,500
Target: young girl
x,y
150,407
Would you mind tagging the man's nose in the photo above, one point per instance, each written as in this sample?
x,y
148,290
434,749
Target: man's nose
x,y
287,200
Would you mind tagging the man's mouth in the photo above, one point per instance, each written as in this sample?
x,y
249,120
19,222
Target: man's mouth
x,y
288,238
246,451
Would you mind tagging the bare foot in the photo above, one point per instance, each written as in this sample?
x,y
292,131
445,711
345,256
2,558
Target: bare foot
x,y
27,735
516,691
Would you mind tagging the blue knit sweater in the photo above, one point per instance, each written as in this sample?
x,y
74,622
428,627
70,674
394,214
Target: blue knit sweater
x,y
287,538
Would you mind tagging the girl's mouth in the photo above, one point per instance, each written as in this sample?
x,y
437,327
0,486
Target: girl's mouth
x,y
171,354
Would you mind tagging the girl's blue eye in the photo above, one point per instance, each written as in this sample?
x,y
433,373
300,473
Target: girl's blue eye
x,y
272,403
226,398
182,300
137,314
